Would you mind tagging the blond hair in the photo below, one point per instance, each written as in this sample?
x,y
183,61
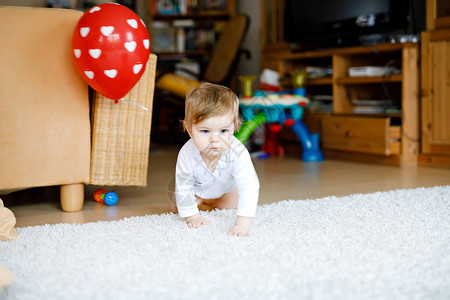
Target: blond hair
x,y
210,100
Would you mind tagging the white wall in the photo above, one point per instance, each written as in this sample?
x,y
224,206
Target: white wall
x,y
252,39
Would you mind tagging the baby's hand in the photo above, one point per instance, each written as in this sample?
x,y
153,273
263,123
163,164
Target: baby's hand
x,y
196,221
241,227
238,230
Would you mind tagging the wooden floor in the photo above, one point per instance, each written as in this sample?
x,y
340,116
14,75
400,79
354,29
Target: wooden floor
x,y
280,178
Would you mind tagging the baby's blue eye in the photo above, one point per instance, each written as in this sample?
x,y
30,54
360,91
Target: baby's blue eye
x,y
204,131
224,130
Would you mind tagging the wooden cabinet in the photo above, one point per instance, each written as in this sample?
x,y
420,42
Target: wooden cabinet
x,y
365,135
388,133
435,98
435,86
438,14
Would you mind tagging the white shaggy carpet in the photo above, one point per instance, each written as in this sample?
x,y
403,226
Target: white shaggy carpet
x,y
386,245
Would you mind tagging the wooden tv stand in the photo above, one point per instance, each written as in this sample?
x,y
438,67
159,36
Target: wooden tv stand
x,y
388,137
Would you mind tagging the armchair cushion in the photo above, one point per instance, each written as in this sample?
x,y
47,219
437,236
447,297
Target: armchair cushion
x,y
44,103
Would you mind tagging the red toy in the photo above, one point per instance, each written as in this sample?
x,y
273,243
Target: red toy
x,y
99,195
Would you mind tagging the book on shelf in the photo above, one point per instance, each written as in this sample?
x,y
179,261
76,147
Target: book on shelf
x,y
320,103
368,110
376,110
318,72
375,106
186,7
370,71
374,102
173,7
200,39
163,37
185,35
188,69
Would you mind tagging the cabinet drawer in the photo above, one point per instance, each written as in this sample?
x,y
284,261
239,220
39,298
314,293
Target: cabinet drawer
x,y
358,134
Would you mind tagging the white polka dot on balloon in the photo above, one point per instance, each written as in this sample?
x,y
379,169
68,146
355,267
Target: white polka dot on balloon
x,y
77,53
111,73
137,68
146,43
133,23
89,74
95,53
106,30
84,31
130,46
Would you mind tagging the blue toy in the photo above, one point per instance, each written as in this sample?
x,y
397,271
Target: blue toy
x,y
111,198
281,108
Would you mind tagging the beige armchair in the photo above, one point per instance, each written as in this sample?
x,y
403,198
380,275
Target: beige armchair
x,y
45,131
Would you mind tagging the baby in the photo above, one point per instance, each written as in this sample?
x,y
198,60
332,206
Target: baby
x,y
214,166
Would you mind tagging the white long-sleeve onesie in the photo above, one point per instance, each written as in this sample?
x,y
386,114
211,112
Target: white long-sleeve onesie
x,y
234,169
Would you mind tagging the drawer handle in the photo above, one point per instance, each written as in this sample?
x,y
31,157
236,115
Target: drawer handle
x,y
348,134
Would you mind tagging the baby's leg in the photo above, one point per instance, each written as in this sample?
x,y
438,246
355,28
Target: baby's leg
x,y
228,200
205,204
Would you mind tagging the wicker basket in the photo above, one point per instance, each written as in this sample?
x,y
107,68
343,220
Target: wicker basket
x,y
121,134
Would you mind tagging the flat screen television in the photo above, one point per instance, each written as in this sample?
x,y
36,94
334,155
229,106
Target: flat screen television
x,y
341,23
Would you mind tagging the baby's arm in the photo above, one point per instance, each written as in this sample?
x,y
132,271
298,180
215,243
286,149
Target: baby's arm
x,y
185,200
196,221
247,185
241,227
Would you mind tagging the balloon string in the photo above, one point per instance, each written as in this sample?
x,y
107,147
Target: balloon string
x,y
137,104
118,143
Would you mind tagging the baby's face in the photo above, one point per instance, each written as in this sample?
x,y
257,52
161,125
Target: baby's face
x,y
213,135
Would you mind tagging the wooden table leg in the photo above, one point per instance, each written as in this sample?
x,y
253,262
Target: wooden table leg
x,y
72,197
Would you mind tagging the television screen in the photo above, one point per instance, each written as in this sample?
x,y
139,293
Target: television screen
x,y
332,23
335,11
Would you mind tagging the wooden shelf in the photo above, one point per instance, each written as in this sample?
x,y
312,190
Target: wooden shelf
x,y
220,15
372,49
369,115
372,79
196,40
286,82
345,89
367,136
319,81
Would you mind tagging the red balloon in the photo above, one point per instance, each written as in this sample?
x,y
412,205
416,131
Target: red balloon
x,y
111,47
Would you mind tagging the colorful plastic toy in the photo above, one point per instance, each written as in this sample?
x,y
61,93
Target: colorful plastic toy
x,y
111,198
108,198
247,85
99,195
279,109
298,82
